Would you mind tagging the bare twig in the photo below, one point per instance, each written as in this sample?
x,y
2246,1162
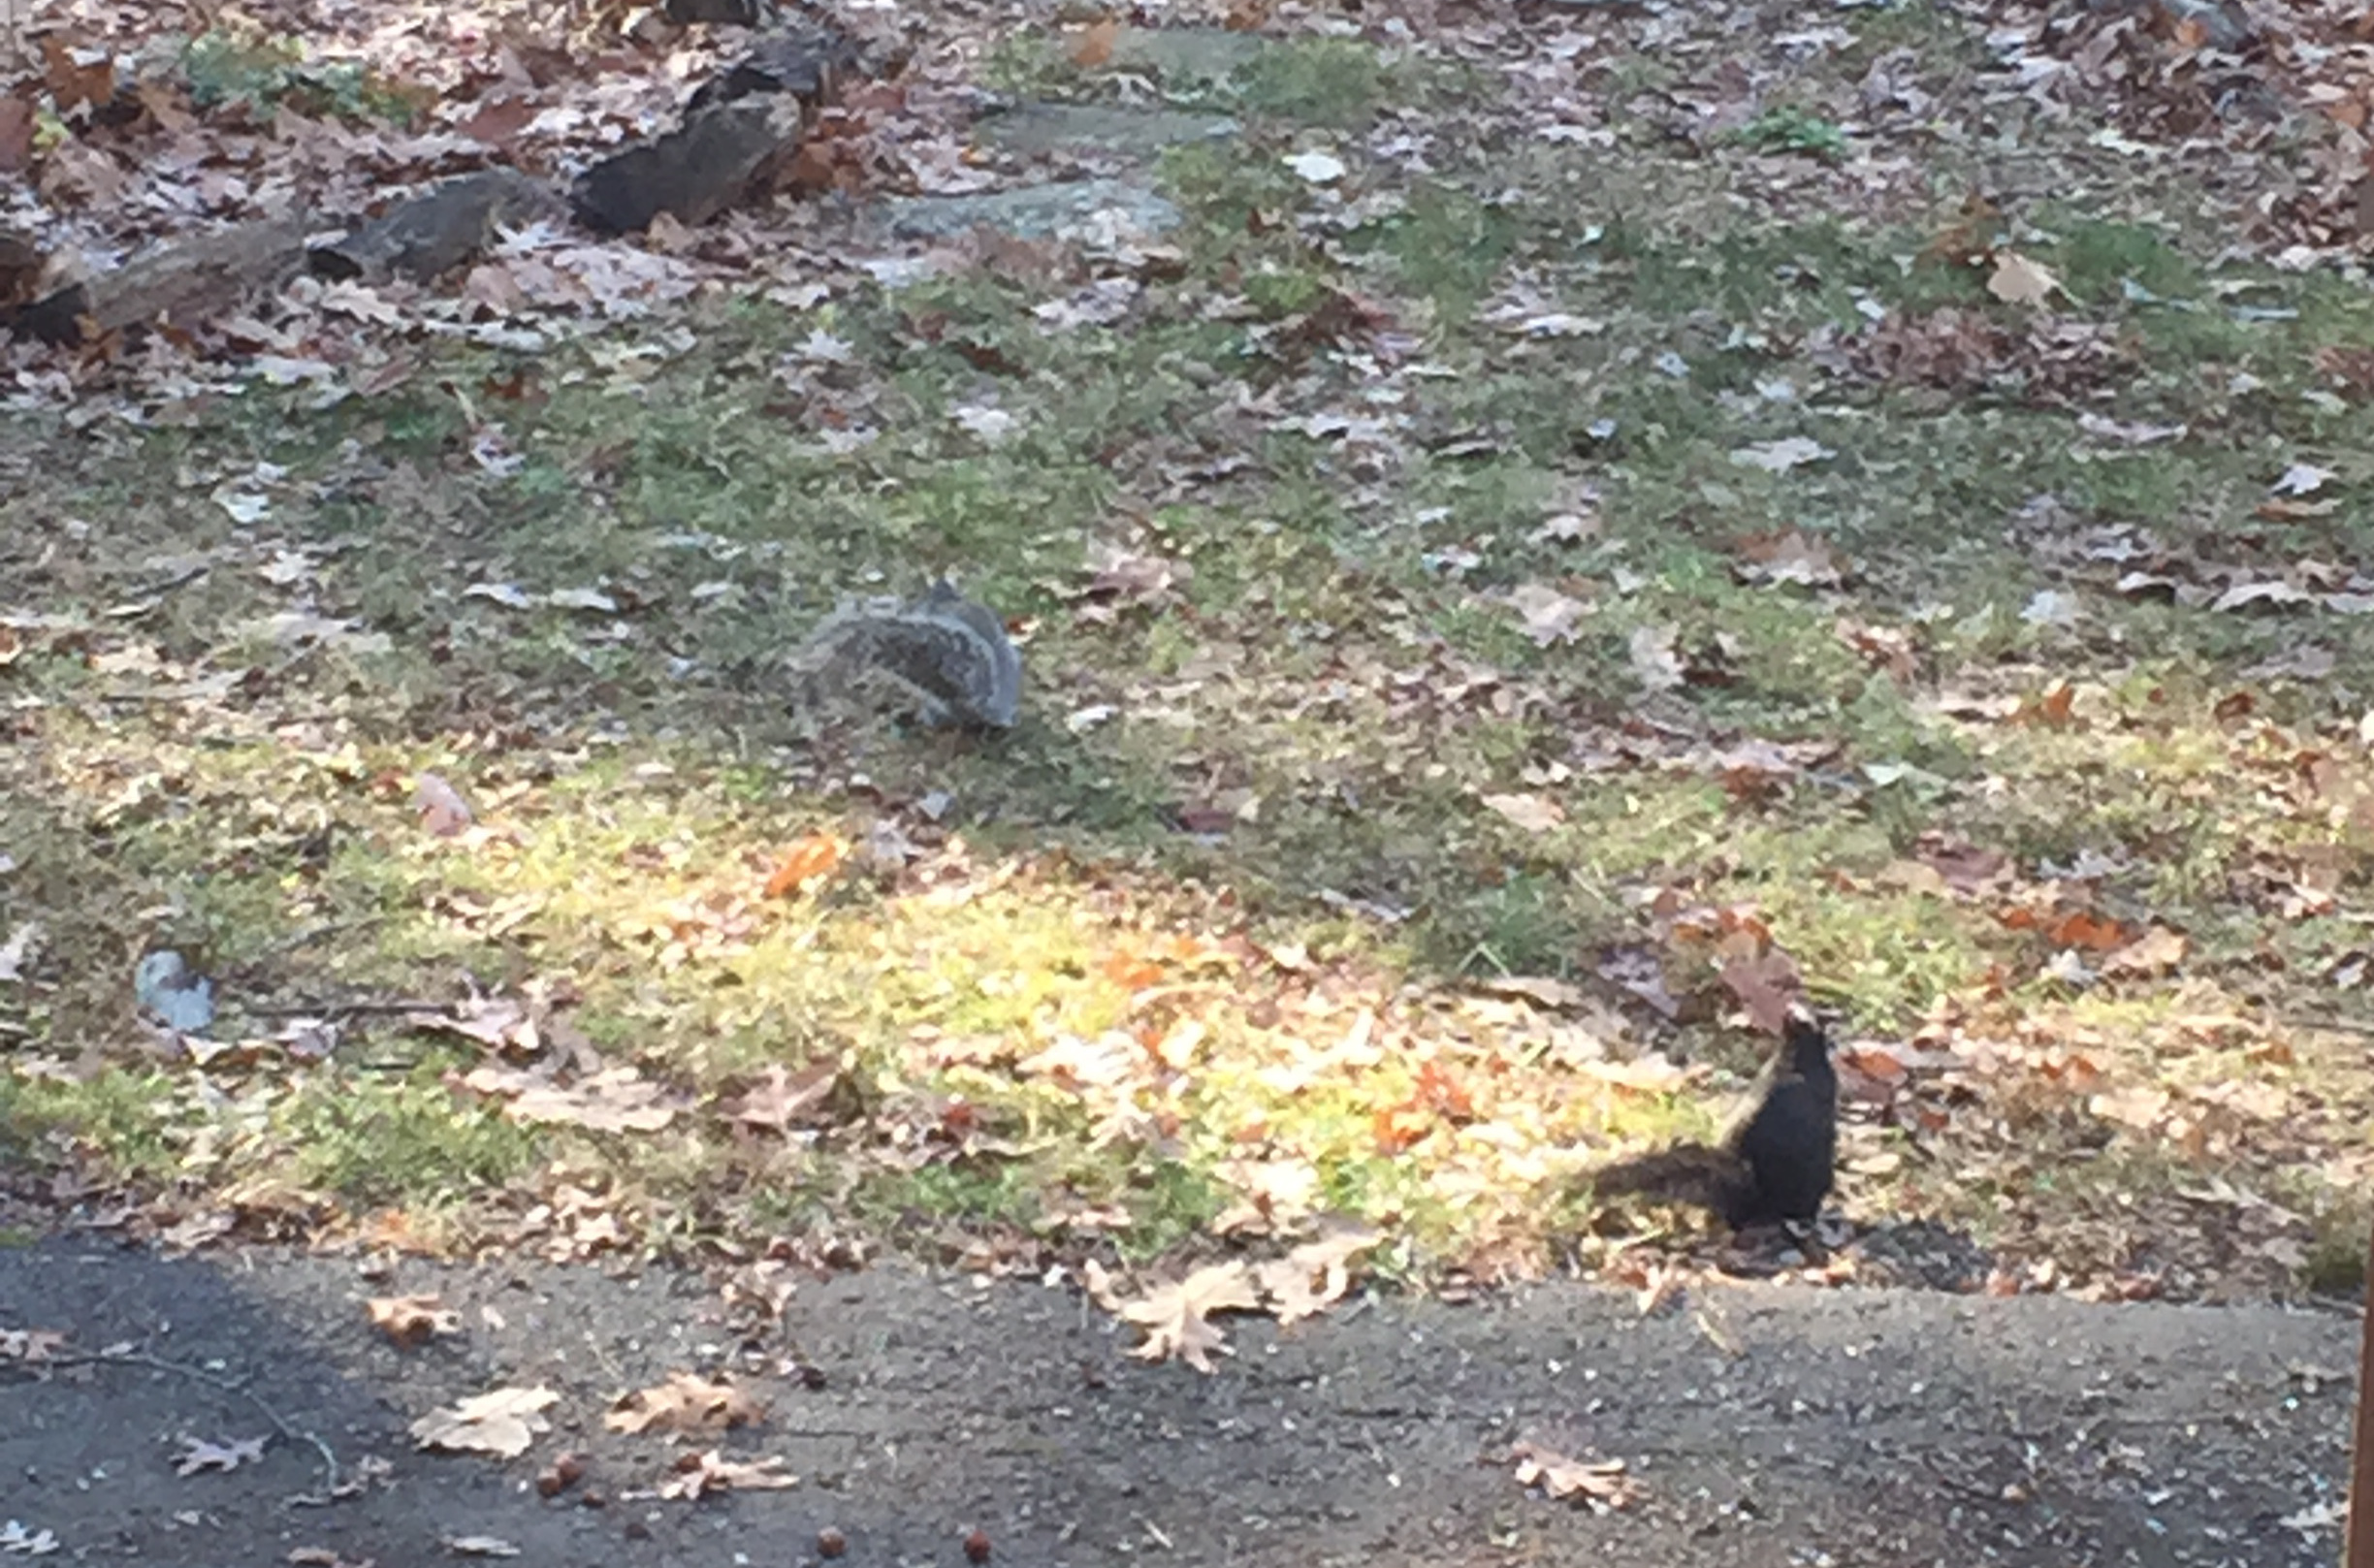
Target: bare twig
x,y
330,1475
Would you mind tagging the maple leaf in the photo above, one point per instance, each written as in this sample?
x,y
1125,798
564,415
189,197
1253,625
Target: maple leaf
x,y
1177,1317
501,1421
411,1320
1601,1483
699,1474
687,1402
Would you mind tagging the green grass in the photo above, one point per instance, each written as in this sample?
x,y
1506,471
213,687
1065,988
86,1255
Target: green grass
x,y
1211,932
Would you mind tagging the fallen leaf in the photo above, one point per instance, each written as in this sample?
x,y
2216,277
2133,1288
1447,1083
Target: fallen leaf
x,y
810,859
1549,617
442,810
783,1099
1175,1318
412,1320
2155,953
687,1402
17,949
1791,556
501,1421
1600,1484
1312,1276
198,1456
1535,813
2018,280
2139,1108
1093,47
1317,168
697,1475
1779,456
615,1099
1656,658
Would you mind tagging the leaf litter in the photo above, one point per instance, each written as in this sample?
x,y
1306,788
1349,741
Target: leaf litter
x,y
1345,1020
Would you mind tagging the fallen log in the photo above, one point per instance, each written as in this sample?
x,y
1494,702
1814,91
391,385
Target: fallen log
x,y
183,281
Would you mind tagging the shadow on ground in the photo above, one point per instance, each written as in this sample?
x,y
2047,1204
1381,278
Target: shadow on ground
x,y
1766,1425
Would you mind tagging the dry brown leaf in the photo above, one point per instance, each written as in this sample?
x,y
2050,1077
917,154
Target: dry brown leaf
x,y
1175,1316
2018,280
1549,617
1093,46
697,1475
2155,953
1314,1275
1791,556
811,860
616,1100
1602,1483
783,1099
501,1421
442,810
412,1320
1535,813
2139,1108
198,1456
687,1402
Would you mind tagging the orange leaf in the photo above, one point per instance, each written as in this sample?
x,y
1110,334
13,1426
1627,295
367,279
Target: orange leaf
x,y
1398,1127
2092,932
1095,43
1129,970
808,860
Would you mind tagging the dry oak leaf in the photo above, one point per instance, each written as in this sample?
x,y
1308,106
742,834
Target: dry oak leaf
x,y
2017,281
615,1099
699,1474
1535,813
687,1402
782,1098
1602,1483
1177,1317
1312,1276
30,1344
411,1320
1549,615
503,1422
199,1456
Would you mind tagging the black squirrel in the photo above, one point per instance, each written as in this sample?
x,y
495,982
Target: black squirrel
x,y
949,653
1775,1163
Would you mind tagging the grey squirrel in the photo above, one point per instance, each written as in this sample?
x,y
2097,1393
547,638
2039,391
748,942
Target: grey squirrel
x,y
950,653
1775,1163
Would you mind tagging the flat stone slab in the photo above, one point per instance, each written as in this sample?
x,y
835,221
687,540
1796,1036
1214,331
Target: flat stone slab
x,y
1073,210
1099,129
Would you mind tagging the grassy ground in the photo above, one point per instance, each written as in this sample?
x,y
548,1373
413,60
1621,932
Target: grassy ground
x,y
1414,600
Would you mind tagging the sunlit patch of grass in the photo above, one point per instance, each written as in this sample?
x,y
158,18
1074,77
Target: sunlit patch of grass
x,y
374,1141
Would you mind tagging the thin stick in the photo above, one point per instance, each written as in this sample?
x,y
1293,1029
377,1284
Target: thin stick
x,y
2360,1553
280,1424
